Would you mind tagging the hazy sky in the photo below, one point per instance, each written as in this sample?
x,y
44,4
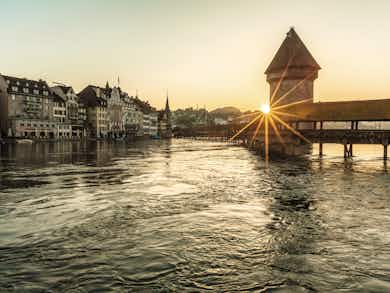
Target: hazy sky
x,y
207,52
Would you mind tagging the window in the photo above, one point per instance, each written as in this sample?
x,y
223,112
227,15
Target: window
x,y
36,92
25,90
13,97
45,93
15,88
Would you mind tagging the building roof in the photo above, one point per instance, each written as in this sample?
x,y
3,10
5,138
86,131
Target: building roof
x,y
21,83
361,110
292,53
65,88
93,96
59,92
145,107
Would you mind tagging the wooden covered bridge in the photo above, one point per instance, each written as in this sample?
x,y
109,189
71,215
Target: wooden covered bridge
x,y
300,120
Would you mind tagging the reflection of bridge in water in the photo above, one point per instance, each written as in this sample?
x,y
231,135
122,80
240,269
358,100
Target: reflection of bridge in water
x,y
295,119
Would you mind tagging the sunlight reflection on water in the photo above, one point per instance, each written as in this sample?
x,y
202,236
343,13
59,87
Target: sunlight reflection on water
x,y
191,216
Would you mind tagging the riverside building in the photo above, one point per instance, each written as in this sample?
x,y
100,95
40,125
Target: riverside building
x,y
29,109
33,110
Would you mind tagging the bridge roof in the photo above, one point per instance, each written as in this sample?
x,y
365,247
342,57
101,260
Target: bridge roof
x,y
363,110
292,53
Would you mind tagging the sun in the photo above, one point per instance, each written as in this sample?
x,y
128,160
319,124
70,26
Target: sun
x,y
265,108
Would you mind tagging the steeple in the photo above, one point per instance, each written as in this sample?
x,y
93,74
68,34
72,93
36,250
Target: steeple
x,y
107,85
292,72
167,109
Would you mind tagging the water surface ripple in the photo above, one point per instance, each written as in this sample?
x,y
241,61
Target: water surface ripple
x,y
190,216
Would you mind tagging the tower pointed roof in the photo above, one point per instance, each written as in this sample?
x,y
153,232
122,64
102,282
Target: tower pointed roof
x,y
167,104
292,53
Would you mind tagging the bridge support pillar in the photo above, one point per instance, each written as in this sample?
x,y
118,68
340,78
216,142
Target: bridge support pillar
x,y
347,150
385,147
321,150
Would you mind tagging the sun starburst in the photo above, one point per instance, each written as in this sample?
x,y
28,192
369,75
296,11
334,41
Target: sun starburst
x,y
270,114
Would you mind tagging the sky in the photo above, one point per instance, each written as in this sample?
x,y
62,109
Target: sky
x,y
208,53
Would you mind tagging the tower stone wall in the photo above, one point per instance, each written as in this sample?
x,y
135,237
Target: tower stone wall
x,y
292,72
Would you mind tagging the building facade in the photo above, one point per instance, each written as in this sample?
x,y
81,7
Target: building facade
x,y
132,116
29,109
95,100
115,112
76,112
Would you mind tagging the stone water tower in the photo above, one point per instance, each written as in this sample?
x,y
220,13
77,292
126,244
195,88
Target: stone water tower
x,y
294,66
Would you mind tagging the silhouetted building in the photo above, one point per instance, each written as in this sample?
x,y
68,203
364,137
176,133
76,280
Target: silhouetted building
x,y
165,121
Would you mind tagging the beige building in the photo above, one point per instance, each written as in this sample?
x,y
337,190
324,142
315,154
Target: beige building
x,y
132,116
148,119
115,111
75,112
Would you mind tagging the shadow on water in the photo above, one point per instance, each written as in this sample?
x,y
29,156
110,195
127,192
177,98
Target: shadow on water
x,y
295,226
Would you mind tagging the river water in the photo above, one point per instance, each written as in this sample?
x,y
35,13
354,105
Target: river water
x,y
184,215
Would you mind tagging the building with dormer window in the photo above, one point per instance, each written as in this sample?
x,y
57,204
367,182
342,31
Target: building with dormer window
x,y
26,108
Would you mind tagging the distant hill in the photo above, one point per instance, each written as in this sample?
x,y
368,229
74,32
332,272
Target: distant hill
x,y
226,112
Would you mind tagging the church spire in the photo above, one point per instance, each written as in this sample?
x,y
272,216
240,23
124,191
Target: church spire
x,y
167,109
